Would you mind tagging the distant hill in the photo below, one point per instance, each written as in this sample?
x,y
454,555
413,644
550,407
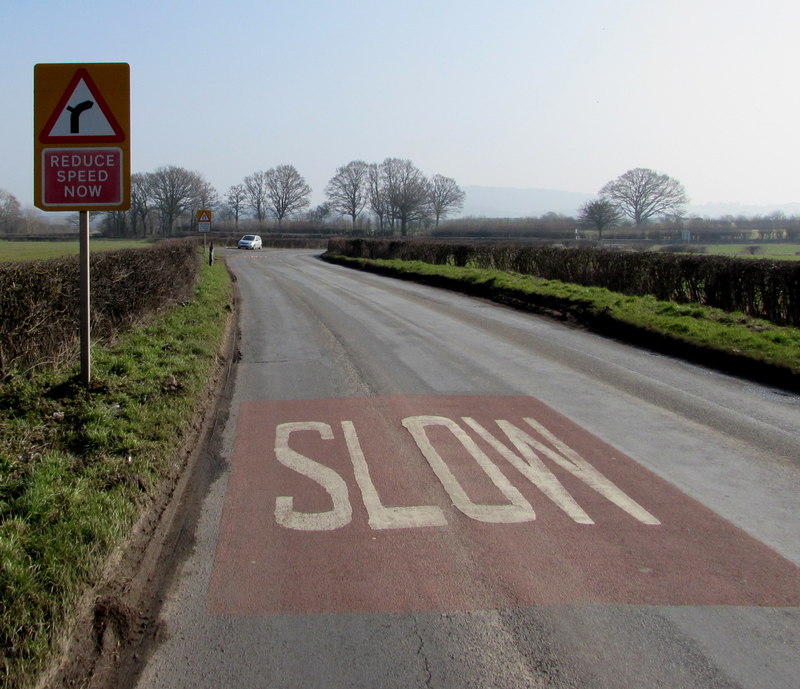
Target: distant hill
x,y
507,202
717,210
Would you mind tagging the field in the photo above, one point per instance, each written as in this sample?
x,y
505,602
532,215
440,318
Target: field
x,y
770,251
35,251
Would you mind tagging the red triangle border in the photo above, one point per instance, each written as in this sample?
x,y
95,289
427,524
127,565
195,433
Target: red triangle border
x,y
117,137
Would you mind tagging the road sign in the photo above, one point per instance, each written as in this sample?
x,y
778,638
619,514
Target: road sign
x,y
82,136
204,220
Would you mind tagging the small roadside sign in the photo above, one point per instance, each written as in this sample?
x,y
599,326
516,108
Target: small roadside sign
x,y
204,220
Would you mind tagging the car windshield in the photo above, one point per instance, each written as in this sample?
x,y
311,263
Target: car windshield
x,y
248,237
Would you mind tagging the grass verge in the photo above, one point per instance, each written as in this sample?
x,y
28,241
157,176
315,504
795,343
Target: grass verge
x,y
730,341
78,466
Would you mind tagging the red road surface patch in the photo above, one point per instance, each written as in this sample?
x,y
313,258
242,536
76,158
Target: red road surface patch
x,y
301,530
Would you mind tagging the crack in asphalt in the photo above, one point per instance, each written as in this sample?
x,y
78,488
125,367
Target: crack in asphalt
x,y
421,653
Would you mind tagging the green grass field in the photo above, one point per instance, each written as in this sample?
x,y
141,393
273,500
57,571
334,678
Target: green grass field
x,y
36,251
770,251
773,252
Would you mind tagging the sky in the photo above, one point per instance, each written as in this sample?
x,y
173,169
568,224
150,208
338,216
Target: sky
x,y
550,94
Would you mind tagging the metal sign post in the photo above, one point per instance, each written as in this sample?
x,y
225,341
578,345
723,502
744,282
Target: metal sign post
x,y
86,315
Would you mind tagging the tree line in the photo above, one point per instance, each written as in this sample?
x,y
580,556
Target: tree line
x,y
395,194
390,196
395,197
385,198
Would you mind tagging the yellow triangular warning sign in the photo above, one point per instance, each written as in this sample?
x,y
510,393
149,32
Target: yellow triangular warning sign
x,y
82,115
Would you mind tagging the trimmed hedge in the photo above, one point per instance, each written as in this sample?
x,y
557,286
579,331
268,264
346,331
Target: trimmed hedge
x,y
756,287
39,300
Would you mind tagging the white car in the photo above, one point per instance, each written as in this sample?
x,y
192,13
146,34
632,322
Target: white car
x,y
249,241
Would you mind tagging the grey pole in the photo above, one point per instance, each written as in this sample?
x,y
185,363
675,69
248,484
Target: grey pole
x,y
85,328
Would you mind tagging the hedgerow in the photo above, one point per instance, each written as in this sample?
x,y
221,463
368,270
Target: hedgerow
x,y
40,300
756,287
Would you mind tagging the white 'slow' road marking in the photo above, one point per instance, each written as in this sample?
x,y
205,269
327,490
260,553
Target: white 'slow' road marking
x,y
529,460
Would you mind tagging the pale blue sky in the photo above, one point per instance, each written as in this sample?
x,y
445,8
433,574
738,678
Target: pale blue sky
x,y
558,94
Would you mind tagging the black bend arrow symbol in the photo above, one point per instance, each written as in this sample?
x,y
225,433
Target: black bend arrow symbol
x,y
75,114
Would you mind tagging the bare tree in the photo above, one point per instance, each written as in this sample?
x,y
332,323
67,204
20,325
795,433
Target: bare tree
x,y
256,194
141,202
206,195
115,223
642,193
407,191
599,214
287,191
235,200
348,189
174,189
319,214
445,196
10,213
32,221
376,196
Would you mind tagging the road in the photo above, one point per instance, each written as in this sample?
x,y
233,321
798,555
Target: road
x,y
422,489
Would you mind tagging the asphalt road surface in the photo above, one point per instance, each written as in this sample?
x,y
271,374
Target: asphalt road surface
x,y
423,489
